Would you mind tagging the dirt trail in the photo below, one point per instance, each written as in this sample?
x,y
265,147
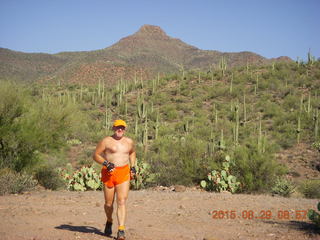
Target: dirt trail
x,y
155,215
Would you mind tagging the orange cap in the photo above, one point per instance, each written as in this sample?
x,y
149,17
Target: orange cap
x,y
119,122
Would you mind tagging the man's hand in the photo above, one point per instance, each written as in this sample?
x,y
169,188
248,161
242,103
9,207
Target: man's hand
x,y
133,172
109,165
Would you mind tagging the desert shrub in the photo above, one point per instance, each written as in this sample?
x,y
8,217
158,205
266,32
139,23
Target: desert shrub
x,y
283,187
29,126
13,182
310,188
270,109
13,147
179,161
256,170
291,102
170,112
49,178
285,134
316,145
219,91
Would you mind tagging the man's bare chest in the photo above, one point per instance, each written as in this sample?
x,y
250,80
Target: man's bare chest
x,y
117,147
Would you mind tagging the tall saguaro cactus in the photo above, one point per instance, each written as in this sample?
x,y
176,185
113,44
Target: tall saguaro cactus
x,y
231,83
261,138
257,84
223,65
316,123
298,130
222,145
136,127
311,59
156,126
145,135
244,109
236,126
107,120
309,104
141,107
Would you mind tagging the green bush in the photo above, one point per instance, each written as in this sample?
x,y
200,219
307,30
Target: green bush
x,y
179,160
49,178
256,170
310,188
15,151
316,145
283,187
13,182
29,126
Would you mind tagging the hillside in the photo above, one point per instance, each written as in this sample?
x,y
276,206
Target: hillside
x,y
265,118
145,53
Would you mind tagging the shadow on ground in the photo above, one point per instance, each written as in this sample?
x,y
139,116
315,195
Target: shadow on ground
x,y
82,229
309,229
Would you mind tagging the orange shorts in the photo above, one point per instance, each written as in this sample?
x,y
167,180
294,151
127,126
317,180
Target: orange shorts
x,y
117,176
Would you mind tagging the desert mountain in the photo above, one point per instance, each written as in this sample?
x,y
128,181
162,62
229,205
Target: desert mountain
x,y
146,52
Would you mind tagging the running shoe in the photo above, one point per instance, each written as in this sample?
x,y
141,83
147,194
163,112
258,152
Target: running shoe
x,y
108,229
121,235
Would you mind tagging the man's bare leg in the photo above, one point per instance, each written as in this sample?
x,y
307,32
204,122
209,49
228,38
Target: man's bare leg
x,y
122,191
108,201
108,208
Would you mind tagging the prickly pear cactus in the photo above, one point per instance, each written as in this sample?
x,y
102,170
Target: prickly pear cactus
x,y
81,180
314,216
143,176
221,180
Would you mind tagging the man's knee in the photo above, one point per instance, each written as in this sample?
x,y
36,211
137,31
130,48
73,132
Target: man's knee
x,y
108,204
122,201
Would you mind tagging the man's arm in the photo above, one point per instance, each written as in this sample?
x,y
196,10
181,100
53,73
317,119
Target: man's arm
x,y
132,159
99,159
132,156
99,150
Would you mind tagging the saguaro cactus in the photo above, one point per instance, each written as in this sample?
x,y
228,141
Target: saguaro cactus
x,y
231,83
145,135
156,127
223,65
136,127
316,123
298,130
309,104
107,119
261,137
244,109
257,84
236,126
186,128
222,145
311,59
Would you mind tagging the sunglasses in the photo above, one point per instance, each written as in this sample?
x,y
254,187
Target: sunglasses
x,y
120,127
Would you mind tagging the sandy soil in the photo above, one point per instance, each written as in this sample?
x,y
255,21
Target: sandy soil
x,y
157,215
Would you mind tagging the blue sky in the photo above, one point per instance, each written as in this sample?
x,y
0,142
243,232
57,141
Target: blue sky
x,y
271,28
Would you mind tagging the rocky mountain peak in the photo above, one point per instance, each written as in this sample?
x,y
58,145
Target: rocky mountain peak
x,y
152,31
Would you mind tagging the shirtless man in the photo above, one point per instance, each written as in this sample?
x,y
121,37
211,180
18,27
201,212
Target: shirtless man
x,y
115,153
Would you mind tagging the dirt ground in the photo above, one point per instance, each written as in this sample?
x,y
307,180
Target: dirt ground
x,y
161,214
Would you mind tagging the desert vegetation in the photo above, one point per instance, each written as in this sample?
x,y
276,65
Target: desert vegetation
x,y
185,126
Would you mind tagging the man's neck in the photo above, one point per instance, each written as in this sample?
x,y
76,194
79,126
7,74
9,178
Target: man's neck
x,y
116,138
